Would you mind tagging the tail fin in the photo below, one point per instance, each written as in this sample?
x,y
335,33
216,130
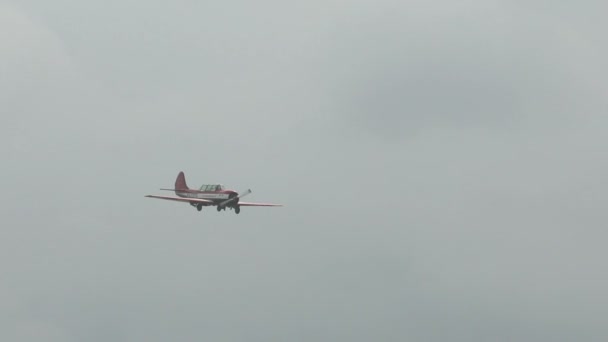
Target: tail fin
x,y
180,182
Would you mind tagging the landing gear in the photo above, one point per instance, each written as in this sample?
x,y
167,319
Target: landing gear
x,y
199,207
237,209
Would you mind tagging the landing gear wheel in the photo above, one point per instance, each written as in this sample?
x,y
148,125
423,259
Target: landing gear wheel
x,y
219,208
237,209
199,207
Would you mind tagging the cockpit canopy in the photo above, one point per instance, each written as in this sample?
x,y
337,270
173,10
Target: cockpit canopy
x,y
211,187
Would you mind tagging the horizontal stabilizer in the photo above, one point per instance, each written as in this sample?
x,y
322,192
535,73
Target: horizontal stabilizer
x,y
182,190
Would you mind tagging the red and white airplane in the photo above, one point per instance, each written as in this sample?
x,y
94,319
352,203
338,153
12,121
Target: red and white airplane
x,y
210,195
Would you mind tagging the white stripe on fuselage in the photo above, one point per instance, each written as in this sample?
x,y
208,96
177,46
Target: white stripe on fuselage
x,y
209,196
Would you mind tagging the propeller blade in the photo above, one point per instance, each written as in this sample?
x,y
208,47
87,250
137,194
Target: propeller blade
x,y
235,198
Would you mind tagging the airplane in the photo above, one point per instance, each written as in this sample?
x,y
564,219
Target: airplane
x,y
210,195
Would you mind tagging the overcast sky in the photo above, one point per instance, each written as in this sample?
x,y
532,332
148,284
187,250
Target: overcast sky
x,y
442,164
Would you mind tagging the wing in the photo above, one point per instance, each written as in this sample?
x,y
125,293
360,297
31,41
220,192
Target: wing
x,y
182,199
184,190
253,204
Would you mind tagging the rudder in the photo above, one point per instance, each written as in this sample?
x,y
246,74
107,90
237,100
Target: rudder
x,y
180,182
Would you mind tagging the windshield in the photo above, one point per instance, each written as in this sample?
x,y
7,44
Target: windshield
x,y
211,187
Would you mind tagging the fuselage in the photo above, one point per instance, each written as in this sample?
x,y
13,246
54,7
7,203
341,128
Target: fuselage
x,y
215,196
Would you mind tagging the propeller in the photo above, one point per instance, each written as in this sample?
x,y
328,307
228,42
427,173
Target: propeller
x,y
222,204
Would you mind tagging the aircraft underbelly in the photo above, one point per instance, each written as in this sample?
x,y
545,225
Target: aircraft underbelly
x,y
214,196
211,197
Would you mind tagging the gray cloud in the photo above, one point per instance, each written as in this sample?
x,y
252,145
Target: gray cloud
x,y
468,64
